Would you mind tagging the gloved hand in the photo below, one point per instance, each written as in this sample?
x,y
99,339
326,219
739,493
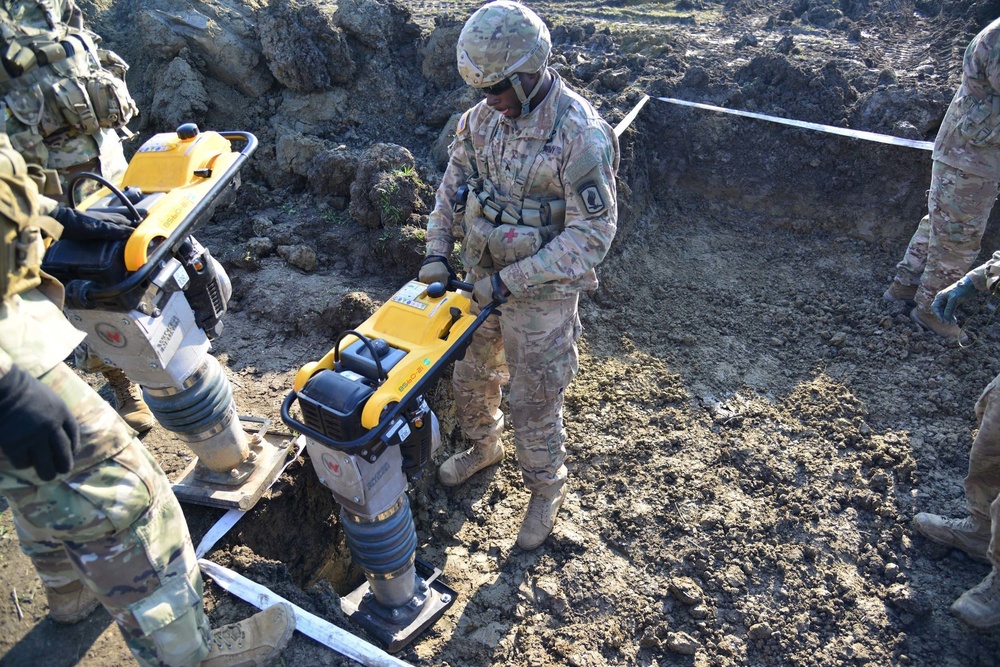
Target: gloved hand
x,y
482,291
38,428
948,299
489,289
91,225
435,269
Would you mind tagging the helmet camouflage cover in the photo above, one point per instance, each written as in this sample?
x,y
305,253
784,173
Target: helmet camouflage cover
x,y
500,39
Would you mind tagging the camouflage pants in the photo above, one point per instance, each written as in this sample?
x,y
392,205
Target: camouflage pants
x,y
113,523
982,483
948,238
537,338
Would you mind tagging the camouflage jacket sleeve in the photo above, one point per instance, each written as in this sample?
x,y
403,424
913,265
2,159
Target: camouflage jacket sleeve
x,y
590,162
443,227
986,275
981,64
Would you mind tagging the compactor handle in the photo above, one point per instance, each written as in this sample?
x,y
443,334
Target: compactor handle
x,y
85,295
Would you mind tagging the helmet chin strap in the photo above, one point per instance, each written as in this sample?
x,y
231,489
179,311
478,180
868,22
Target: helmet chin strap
x,y
525,100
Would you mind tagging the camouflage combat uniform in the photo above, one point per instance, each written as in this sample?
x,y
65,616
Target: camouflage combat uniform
x,y
561,153
112,521
64,98
964,178
982,483
34,101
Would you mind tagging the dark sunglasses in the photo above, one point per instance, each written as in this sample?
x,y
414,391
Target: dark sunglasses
x,y
498,88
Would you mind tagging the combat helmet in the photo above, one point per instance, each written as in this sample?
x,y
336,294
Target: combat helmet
x,y
501,39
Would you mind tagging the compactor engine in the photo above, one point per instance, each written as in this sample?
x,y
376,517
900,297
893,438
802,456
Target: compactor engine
x,y
150,305
369,430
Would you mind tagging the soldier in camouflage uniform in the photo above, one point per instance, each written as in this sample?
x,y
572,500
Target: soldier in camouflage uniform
x,y
65,100
530,192
965,178
93,511
978,533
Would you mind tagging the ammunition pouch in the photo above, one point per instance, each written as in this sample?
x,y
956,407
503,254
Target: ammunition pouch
x,y
62,87
497,236
112,103
510,243
21,227
980,121
475,245
73,103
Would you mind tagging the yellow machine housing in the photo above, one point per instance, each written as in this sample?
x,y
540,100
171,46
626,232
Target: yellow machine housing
x,y
184,169
423,326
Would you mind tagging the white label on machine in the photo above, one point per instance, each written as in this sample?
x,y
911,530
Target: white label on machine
x,y
409,294
404,433
181,277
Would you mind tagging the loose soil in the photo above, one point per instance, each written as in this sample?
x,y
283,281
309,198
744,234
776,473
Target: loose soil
x,y
752,428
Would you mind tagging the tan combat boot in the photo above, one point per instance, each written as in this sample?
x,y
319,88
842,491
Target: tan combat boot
x,y
980,606
539,518
128,395
464,465
900,293
71,603
253,642
930,322
970,534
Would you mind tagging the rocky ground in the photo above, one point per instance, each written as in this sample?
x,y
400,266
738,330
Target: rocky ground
x,y
752,428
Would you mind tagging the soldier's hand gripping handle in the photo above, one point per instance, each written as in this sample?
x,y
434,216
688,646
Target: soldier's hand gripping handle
x,y
91,225
435,269
36,427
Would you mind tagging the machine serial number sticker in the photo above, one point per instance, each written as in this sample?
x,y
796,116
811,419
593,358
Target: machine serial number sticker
x,y
409,295
181,277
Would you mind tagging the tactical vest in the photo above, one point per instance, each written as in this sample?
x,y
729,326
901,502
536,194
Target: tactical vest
x,y
496,234
56,80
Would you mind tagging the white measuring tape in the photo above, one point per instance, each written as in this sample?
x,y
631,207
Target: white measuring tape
x,y
830,129
310,625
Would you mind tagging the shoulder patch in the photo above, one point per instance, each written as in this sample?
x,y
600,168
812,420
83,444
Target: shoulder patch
x,y
463,122
593,199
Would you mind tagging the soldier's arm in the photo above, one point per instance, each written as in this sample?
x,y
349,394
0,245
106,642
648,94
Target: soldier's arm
x,y
441,222
991,59
590,162
986,274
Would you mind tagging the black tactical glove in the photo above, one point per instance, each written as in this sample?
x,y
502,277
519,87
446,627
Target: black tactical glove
x,y
435,269
38,428
91,225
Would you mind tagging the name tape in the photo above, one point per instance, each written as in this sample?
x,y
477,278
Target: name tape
x,y
830,129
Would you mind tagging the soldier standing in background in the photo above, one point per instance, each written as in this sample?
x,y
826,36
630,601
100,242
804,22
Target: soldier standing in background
x,y
65,100
530,191
964,181
978,533
92,509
